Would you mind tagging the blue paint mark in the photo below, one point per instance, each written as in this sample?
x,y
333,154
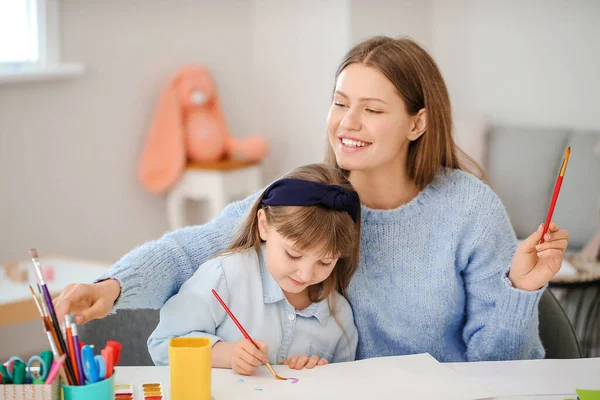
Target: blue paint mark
x,y
258,389
240,381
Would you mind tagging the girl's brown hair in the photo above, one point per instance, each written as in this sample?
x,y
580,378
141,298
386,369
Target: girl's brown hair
x,y
420,84
333,231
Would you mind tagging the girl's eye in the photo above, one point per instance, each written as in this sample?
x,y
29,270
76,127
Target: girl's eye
x,y
338,104
324,264
291,257
374,111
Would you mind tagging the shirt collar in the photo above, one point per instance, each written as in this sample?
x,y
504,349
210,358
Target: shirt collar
x,y
273,293
318,310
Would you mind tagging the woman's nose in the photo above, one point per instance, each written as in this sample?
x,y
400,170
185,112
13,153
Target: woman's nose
x,y
351,120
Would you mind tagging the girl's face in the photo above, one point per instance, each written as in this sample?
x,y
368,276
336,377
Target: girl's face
x,y
368,125
294,270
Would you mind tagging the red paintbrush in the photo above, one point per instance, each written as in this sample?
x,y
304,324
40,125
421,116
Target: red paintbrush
x,y
241,328
559,180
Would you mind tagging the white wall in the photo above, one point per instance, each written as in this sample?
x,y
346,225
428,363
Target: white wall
x,y
393,18
296,49
533,62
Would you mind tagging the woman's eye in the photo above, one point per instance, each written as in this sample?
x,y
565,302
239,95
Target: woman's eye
x,y
374,111
337,104
291,257
325,264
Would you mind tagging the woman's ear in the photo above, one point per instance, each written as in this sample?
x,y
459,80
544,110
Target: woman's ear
x,y
263,224
419,125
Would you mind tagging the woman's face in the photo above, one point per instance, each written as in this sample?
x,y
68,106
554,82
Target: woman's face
x,y
367,125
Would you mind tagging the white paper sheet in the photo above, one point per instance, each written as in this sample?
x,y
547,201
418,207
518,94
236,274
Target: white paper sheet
x,y
406,377
533,377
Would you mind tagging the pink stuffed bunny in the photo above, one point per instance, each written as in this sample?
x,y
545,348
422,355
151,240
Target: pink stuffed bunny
x,y
189,126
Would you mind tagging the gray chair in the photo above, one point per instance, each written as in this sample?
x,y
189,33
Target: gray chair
x,y
130,327
556,331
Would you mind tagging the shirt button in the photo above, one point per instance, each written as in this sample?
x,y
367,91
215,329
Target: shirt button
x,y
292,317
280,360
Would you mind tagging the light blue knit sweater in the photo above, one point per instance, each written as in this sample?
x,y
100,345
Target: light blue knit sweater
x,y
432,275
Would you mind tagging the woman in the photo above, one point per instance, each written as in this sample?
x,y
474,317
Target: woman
x,y
440,270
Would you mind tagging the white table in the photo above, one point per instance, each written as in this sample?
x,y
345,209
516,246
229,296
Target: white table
x,y
503,378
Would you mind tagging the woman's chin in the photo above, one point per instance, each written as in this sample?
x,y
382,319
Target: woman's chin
x,y
350,163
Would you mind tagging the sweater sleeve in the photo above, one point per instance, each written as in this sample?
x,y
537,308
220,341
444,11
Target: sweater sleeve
x,y
153,272
501,321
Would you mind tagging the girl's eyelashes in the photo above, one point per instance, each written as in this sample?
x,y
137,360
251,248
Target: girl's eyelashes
x,y
374,111
296,258
291,257
338,104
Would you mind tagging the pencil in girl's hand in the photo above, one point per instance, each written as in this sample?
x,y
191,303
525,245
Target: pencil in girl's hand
x,y
559,180
246,335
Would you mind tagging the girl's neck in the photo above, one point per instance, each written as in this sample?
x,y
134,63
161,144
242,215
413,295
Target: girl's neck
x,y
386,187
299,300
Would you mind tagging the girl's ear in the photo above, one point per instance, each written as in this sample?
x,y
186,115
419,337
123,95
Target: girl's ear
x,y
419,125
263,224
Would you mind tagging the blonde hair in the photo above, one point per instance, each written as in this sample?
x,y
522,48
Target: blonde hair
x,y
420,84
307,227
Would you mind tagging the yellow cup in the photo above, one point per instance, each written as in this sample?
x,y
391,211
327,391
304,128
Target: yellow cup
x,y
190,364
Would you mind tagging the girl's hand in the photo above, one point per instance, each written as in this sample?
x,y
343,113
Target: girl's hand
x,y
246,357
87,301
303,361
535,264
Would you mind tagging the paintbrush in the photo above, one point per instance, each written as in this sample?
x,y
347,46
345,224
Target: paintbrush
x,y
561,174
55,352
37,302
41,306
61,345
48,332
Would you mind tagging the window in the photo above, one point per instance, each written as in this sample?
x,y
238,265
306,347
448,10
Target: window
x,y
19,39
30,41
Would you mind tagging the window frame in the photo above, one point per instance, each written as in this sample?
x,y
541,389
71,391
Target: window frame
x,y
49,64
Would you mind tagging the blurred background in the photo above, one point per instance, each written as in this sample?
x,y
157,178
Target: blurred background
x,y
80,82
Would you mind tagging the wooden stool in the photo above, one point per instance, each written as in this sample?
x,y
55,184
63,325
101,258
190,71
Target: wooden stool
x,y
217,183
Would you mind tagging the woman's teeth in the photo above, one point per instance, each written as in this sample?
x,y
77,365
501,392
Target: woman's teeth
x,y
354,143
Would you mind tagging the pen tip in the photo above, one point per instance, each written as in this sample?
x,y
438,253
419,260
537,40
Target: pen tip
x,y
33,253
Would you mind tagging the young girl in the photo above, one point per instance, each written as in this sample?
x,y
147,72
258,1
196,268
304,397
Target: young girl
x,y
283,278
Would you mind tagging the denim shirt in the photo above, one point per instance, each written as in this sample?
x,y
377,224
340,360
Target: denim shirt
x,y
244,283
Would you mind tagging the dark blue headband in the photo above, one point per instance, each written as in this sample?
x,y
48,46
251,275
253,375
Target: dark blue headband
x,y
298,192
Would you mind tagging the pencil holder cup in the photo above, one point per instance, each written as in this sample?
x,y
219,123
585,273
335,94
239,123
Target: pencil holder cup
x,y
102,390
190,365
